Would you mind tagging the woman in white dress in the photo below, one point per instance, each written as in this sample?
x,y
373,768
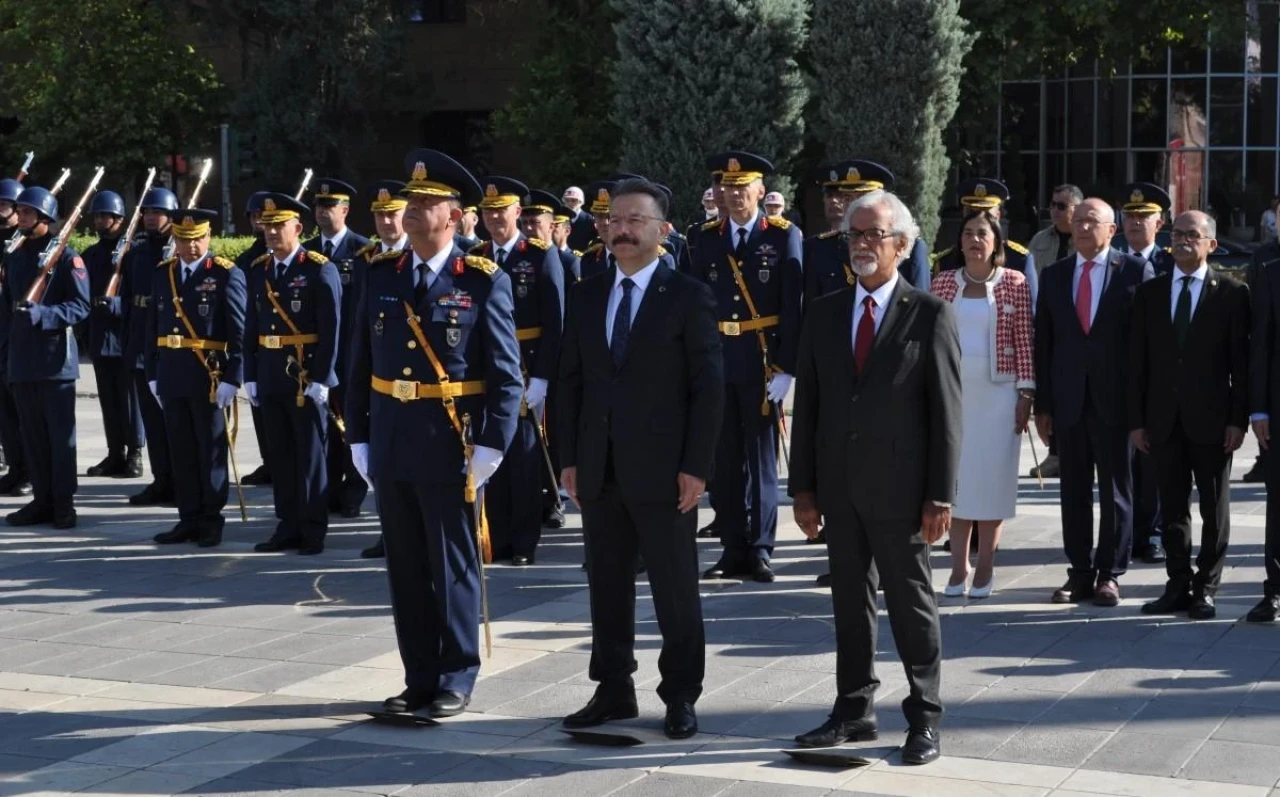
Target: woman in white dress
x,y
993,315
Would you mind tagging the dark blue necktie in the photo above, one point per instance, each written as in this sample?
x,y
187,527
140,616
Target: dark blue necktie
x,y
621,324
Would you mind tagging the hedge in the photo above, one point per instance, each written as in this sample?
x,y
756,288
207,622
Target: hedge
x,y
229,247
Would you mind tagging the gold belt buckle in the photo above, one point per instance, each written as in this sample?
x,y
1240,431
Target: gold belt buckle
x,y
732,328
404,390
271,341
173,341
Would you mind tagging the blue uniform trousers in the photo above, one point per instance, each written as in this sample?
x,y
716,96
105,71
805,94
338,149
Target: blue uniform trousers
x,y
513,498
347,489
745,483
197,431
296,438
121,417
11,434
154,426
47,412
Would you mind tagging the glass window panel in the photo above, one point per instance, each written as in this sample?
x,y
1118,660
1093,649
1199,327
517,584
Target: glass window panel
x,y
1260,187
1228,56
1188,60
1111,173
1150,126
1261,125
1154,62
1150,167
1022,115
1054,169
1226,128
1055,96
1187,122
1225,190
1113,113
1080,114
1261,46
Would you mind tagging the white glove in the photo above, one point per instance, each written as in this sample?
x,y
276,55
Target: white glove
x,y
317,393
536,393
226,394
155,391
484,463
251,390
360,458
779,387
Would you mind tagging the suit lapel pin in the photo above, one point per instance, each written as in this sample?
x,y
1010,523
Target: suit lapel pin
x,y
905,299
1213,283
662,289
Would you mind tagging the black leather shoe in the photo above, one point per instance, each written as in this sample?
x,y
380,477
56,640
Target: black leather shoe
x,y
521,560
823,580
210,537
727,567
258,478
1076,590
1266,611
449,704
1155,553
113,465
1176,598
14,484
65,519
349,512
923,746
375,551
30,515
819,539
1203,607
277,544
681,721
310,548
835,732
132,466
604,706
554,518
153,494
1256,475
407,702
761,572
709,531
183,532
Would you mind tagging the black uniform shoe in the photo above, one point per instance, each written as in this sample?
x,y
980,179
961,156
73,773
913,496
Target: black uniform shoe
x,y
835,732
183,532
449,704
30,515
277,544
605,705
407,701
132,465
823,580
923,746
554,518
13,482
709,531
210,537
65,519
349,512
375,551
310,548
1153,553
727,567
761,572
1256,475
20,490
1266,610
113,465
258,478
1076,590
522,560
681,721
1176,598
1203,607
153,494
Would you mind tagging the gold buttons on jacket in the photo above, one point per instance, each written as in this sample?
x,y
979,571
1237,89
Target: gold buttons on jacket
x,y
407,372
413,344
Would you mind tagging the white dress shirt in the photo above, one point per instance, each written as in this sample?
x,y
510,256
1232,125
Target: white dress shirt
x,y
881,295
1097,279
434,265
641,279
336,240
735,226
395,247
187,268
278,265
1145,254
504,247
1196,287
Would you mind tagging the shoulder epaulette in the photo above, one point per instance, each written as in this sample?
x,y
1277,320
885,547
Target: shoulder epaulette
x,y
316,257
1017,247
828,234
477,248
225,263
390,254
482,264
262,260
539,243
576,253
936,256
662,250
367,249
779,222
166,262
591,250
710,225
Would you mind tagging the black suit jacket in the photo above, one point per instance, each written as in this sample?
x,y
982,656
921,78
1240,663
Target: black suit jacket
x,y
1203,384
660,412
582,231
1072,367
1264,345
888,440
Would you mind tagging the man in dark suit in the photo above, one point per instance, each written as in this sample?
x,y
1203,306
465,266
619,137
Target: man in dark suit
x,y
883,476
1188,405
641,394
582,225
1264,404
1264,257
1082,363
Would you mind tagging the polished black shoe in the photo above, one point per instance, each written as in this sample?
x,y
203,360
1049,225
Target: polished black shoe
x,y
277,544
132,466
153,494
1155,553
709,531
819,539
1076,590
310,548
823,580
1176,598
13,484
449,704
922,747
1255,475
113,465
183,532
407,702
521,560
30,515
259,477
681,721
65,519
727,567
604,706
210,537
375,551
835,732
1266,611
554,518
1203,607
761,572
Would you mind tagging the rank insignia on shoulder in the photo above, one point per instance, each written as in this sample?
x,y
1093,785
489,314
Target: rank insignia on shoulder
x,y
591,250
367,249
458,265
385,256
711,225
576,253
828,234
1017,247
478,249
262,260
483,264
776,221
316,257
224,263
538,243
169,261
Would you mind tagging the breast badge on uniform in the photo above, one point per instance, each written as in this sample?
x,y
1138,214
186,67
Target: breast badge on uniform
x,y
455,298
453,336
377,324
345,272
713,275
763,275
295,305
203,309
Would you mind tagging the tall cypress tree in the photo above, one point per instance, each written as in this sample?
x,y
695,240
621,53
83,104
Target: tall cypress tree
x,y
694,78
888,84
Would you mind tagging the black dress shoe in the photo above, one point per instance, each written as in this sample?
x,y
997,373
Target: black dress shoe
x,y
1176,598
258,478
349,512
727,567
132,465
310,548
819,539
153,494
835,732
554,518
183,532
15,484
1203,607
1255,475
1266,611
113,465
30,515
449,704
65,519
1076,590
210,537
521,560
1155,553
923,746
823,580
681,721
761,572
604,706
709,531
375,551
276,544
407,701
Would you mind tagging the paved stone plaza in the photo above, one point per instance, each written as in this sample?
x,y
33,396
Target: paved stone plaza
x,y
129,669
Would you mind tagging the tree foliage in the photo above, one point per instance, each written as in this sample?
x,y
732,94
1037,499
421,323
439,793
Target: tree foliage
x,y
699,77
102,82
887,78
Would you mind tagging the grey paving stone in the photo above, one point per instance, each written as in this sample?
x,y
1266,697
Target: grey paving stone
x,y
235,786
746,788
286,647
969,737
345,652
209,671
1140,754
1234,762
15,765
1176,715
1007,701
577,781
492,693
1051,746
78,661
1258,726
772,685
486,776
663,784
143,668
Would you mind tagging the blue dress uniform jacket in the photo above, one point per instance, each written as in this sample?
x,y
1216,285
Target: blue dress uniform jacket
x,y
310,292
106,319
468,317
135,291
594,260
41,346
256,250
571,259
537,287
826,266
346,258
214,302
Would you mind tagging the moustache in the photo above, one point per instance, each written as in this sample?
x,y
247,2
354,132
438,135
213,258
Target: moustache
x,y
624,239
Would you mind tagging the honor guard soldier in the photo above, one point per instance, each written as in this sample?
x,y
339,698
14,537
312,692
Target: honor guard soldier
x,y
261,476
291,350
514,499
826,255
981,193
44,362
570,258
438,366
340,244
753,265
121,418
158,206
595,258
15,482
195,364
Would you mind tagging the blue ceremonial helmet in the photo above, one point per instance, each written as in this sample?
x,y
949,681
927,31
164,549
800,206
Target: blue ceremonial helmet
x,y
160,199
9,189
107,202
39,200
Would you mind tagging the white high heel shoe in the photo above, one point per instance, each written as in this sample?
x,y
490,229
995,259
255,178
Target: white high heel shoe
x,y
954,590
977,593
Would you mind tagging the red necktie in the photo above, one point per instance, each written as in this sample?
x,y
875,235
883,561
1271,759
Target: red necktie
x,y
1084,298
865,337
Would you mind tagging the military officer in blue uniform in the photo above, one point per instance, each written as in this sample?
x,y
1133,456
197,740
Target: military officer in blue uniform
x,y
595,258
985,193
437,362
291,350
195,364
15,482
677,243
121,418
340,244
753,265
260,476
1142,210
826,255
570,258
514,498
44,362
149,248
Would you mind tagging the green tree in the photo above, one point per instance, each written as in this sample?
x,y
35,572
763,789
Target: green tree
x,y
559,115
888,78
102,82
695,78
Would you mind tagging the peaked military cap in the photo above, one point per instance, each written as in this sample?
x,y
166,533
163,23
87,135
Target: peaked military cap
x,y
254,203
386,196
280,207
857,177
192,223
502,192
982,193
1145,198
331,191
539,201
600,194
736,167
433,173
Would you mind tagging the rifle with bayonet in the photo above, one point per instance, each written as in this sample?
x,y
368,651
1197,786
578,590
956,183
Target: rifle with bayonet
x,y
306,183
126,241
49,257
172,246
16,239
26,164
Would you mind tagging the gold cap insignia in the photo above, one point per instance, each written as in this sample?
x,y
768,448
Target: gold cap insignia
x,y
979,190
188,221
602,195
734,166
1137,196
269,205
419,171
491,190
384,195
853,176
